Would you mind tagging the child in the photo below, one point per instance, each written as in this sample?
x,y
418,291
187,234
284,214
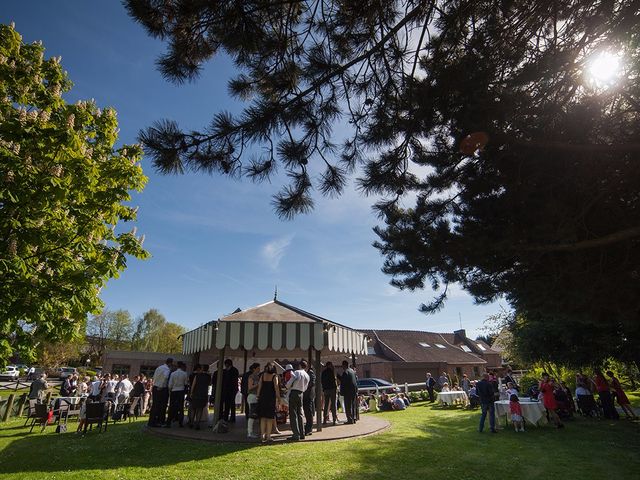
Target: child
x,y
516,413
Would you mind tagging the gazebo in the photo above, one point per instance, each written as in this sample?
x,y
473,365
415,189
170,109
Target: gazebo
x,y
270,330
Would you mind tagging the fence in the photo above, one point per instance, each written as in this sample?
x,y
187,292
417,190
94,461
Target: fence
x,y
15,385
406,388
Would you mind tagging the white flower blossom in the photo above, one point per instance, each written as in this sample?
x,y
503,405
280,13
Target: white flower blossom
x,y
13,246
22,116
45,115
56,170
9,176
71,120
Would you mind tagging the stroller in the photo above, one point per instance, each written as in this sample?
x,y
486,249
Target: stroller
x,y
564,403
588,406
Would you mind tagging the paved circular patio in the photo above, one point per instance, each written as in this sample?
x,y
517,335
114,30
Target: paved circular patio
x,y
368,424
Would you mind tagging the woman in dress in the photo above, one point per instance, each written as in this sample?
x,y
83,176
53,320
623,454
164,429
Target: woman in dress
x,y
268,397
146,396
547,386
623,401
200,395
604,392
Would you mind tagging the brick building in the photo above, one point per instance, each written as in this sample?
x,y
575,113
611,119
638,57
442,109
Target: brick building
x,y
134,363
406,355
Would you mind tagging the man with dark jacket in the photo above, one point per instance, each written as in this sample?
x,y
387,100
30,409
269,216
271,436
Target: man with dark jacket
x,y
230,376
329,386
349,390
431,384
484,389
308,401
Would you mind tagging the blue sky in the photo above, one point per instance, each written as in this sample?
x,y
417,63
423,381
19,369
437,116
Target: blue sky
x,y
216,243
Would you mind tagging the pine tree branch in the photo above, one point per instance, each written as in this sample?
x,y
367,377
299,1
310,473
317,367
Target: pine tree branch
x,y
616,237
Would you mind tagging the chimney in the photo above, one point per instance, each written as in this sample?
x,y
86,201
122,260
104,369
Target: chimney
x,y
460,336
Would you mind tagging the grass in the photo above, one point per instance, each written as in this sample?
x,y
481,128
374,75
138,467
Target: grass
x,y
423,441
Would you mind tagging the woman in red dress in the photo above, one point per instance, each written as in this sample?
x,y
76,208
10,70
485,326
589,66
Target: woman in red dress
x,y
606,400
547,387
623,401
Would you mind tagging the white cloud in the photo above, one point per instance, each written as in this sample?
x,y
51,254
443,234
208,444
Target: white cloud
x,y
273,251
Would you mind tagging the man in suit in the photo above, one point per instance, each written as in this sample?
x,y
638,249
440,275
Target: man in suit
x,y
431,384
349,390
486,394
230,376
308,401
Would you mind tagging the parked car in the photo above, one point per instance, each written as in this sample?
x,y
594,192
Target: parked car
x,y
64,372
37,371
371,384
11,372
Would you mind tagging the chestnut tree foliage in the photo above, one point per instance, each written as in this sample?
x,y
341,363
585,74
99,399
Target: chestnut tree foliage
x,y
500,165
63,188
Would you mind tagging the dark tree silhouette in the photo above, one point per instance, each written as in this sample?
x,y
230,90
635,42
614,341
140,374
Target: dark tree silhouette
x,y
499,164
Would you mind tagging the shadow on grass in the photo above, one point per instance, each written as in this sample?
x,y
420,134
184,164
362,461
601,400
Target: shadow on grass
x,y
122,445
421,443
446,442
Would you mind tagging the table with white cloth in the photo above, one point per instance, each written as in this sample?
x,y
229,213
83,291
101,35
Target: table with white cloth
x,y
532,412
451,398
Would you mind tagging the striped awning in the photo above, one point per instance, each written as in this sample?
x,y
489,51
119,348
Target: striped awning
x,y
275,326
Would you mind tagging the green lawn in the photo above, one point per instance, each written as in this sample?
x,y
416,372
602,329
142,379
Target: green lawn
x,y
422,442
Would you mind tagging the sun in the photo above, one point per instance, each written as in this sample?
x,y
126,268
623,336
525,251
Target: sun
x,y
604,69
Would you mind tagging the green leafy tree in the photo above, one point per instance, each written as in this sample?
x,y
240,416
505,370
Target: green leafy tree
x,y
154,334
499,165
108,330
63,188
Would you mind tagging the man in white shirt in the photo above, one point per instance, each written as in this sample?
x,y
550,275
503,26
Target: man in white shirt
x,y
297,385
94,392
123,389
160,394
177,386
109,388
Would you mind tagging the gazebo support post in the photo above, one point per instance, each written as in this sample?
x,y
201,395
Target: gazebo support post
x,y
244,404
353,364
318,390
245,359
217,402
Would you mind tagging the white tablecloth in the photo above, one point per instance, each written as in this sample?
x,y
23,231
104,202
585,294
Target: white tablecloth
x,y
532,412
453,397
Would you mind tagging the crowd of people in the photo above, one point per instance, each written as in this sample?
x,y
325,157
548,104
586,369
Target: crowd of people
x,y
267,397
556,397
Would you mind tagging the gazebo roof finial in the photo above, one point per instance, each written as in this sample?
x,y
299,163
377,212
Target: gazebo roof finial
x,y
275,294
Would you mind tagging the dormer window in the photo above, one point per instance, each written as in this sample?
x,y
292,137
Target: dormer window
x,y
481,347
439,345
465,348
425,345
